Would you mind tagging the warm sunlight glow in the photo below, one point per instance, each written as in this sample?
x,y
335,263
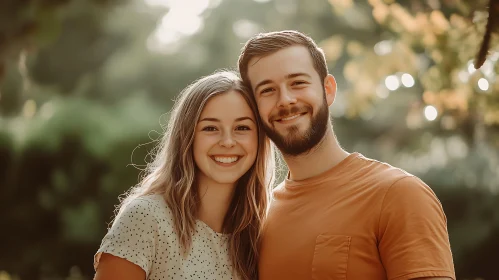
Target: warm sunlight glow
x,y
158,3
244,28
182,19
430,113
181,22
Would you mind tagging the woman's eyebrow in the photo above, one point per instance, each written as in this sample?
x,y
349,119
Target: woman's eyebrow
x,y
217,120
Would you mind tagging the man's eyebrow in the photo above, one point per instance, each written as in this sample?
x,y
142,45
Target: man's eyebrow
x,y
262,83
294,75
217,120
289,76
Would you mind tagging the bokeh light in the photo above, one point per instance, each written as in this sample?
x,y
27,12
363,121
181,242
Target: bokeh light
x,y
483,84
392,82
383,48
430,113
407,80
471,67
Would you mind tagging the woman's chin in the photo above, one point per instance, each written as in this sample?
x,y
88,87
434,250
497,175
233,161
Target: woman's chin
x,y
227,179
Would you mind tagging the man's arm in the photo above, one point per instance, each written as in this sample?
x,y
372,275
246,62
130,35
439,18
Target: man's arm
x,y
433,278
412,240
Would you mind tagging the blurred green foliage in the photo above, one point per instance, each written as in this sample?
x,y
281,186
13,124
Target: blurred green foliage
x,y
86,85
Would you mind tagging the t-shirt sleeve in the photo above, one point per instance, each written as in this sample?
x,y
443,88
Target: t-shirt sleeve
x,y
413,238
132,236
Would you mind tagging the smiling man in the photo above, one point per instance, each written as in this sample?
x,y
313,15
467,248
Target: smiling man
x,y
338,215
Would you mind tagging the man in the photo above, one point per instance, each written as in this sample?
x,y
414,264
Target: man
x,y
337,215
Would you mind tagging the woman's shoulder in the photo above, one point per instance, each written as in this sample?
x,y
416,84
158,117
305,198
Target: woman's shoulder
x,y
147,208
150,201
137,231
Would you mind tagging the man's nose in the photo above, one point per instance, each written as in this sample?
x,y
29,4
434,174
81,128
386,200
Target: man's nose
x,y
286,98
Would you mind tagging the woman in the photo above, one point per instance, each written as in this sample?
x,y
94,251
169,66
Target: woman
x,y
198,212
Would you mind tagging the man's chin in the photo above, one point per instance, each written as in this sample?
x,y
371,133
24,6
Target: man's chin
x,y
291,139
300,136
293,147
290,131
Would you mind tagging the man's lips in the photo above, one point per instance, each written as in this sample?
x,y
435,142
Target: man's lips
x,y
289,117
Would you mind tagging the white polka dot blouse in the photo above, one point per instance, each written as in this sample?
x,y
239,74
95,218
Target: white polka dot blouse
x,y
143,234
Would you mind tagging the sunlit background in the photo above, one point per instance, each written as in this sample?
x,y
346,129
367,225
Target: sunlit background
x,y
85,87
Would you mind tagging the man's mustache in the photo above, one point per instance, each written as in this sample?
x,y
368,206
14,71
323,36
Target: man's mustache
x,y
286,112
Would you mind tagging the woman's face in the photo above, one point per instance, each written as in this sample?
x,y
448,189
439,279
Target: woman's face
x,y
225,140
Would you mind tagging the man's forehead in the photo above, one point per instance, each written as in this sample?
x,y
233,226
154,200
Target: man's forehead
x,y
296,52
280,65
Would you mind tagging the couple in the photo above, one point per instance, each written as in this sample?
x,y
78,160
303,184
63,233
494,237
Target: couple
x,y
204,209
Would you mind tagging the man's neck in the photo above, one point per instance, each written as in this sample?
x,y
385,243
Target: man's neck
x,y
321,158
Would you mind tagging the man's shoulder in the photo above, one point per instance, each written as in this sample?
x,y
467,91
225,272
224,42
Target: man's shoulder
x,y
363,172
381,172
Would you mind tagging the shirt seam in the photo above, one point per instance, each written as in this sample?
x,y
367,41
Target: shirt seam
x,y
382,205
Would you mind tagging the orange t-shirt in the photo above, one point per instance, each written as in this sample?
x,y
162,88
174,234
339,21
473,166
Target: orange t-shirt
x,y
362,219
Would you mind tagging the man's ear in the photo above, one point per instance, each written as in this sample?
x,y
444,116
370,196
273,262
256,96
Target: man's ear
x,y
330,89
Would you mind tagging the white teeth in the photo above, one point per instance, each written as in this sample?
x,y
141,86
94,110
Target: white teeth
x,y
226,159
290,118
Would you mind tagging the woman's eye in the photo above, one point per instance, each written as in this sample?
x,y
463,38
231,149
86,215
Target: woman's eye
x,y
243,127
209,128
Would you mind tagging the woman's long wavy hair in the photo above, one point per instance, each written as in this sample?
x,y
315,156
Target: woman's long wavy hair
x,y
173,171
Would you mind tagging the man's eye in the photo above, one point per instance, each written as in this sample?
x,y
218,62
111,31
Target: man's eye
x,y
267,90
209,128
297,83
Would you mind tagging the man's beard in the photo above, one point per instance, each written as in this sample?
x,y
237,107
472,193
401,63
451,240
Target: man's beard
x,y
296,143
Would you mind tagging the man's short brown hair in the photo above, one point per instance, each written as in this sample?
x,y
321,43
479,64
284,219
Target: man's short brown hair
x,y
264,44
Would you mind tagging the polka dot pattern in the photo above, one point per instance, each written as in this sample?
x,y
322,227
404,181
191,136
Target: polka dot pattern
x,y
143,234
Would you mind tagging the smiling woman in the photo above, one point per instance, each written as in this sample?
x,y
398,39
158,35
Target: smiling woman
x,y
225,142
198,212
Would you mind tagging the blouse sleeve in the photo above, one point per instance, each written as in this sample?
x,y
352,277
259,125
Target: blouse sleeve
x,y
132,236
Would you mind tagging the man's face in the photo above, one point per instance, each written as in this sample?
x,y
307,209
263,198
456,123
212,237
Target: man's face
x,y
291,98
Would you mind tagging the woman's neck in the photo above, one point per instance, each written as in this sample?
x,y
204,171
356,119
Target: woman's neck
x,y
215,202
